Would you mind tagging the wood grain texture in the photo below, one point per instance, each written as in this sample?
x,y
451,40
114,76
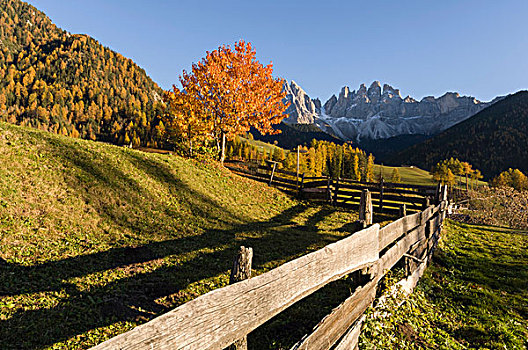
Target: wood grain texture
x,y
398,228
351,339
222,316
395,253
335,324
365,208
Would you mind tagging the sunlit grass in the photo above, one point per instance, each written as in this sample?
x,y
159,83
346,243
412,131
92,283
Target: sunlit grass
x,y
96,239
473,296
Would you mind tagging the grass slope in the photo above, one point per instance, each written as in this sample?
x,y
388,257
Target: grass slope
x,y
409,175
473,296
96,239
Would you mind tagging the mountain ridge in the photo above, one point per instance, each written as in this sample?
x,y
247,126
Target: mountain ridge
x,y
379,113
492,140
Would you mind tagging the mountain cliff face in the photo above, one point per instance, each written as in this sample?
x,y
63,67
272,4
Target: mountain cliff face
x,y
379,113
302,109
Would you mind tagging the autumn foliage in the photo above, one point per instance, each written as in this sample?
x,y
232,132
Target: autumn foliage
x,y
225,94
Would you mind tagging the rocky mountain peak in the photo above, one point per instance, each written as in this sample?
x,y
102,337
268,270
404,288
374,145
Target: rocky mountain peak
x,y
377,112
302,109
391,92
374,91
362,90
345,91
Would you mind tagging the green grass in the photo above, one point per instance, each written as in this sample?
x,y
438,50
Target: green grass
x,y
473,296
261,145
96,239
415,176
409,175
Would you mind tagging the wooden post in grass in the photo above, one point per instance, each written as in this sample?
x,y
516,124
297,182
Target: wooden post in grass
x,y
444,193
273,172
336,190
403,210
438,194
329,190
381,196
241,271
365,208
425,203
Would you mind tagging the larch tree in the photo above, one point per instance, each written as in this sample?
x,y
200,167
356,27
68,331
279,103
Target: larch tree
x,y
236,92
369,173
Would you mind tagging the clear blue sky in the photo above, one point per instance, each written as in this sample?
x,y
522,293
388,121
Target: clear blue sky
x,y
423,47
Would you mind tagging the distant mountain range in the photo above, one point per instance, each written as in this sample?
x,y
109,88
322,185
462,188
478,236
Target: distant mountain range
x,y
72,85
379,113
493,140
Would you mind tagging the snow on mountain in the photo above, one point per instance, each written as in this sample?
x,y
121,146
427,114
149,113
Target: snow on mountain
x,y
378,113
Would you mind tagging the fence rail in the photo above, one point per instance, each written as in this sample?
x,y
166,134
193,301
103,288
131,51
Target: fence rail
x,y
225,315
387,197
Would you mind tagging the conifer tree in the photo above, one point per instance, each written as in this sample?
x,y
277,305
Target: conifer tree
x,y
395,176
369,173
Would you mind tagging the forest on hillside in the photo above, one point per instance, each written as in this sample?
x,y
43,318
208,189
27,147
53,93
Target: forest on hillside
x,y
493,140
72,85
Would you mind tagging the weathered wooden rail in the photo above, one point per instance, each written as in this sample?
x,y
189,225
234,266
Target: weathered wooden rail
x,y
226,315
386,197
285,180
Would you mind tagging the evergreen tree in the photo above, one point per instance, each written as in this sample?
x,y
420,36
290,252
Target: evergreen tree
x,y
395,176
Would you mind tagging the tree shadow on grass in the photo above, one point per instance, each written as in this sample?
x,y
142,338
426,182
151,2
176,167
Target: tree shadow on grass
x,y
188,257
486,279
134,298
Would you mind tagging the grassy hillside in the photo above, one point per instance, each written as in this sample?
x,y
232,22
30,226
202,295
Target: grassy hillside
x,y
473,296
493,140
97,238
409,175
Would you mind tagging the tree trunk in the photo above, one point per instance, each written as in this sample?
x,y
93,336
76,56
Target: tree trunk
x,y
222,154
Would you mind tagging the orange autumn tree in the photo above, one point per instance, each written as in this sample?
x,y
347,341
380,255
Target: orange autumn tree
x,y
233,92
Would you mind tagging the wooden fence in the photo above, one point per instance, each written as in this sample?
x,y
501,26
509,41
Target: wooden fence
x,y
226,315
387,197
285,180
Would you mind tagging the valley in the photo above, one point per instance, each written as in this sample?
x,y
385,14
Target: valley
x,y
235,208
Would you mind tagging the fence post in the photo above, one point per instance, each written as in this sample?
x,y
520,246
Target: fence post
x,y
272,173
444,193
443,199
336,190
329,190
241,271
301,185
365,208
381,196
403,210
438,194
426,203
